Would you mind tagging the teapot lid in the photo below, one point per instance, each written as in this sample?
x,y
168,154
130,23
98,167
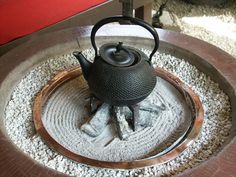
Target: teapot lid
x,y
116,54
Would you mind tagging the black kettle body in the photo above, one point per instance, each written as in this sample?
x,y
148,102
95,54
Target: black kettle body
x,y
120,75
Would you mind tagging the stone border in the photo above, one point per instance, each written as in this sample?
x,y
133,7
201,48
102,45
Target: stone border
x,y
207,58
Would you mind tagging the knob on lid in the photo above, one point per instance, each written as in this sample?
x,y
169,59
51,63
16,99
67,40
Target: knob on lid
x,y
116,54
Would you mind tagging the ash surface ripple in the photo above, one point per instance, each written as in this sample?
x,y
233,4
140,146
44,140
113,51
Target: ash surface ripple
x,y
66,111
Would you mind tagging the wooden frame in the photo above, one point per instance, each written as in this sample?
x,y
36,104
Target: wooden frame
x,y
213,61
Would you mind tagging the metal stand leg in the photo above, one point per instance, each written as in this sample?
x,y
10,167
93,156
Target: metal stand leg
x,y
135,114
94,104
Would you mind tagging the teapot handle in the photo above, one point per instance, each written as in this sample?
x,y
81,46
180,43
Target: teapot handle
x,y
126,18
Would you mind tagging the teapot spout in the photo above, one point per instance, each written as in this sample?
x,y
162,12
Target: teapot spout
x,y
84,63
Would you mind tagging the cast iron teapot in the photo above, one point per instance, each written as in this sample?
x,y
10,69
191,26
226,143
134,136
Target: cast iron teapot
x,y
120,75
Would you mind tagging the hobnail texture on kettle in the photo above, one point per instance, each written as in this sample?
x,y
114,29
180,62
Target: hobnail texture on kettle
x,y
120,74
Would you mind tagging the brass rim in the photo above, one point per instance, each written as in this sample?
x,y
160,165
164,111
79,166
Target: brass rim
x,y
72,73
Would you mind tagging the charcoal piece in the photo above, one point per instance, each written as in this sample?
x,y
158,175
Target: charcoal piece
x,y
98,122
120,116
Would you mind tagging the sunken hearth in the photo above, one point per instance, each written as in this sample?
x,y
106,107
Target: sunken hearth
x,y
169,119
52,84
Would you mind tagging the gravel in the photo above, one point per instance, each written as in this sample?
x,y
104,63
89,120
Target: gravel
x,y
215,130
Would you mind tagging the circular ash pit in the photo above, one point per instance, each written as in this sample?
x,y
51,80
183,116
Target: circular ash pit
x,y
164,117
215,130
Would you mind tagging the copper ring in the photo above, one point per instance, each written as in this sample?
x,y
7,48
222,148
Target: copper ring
x,y
69,74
